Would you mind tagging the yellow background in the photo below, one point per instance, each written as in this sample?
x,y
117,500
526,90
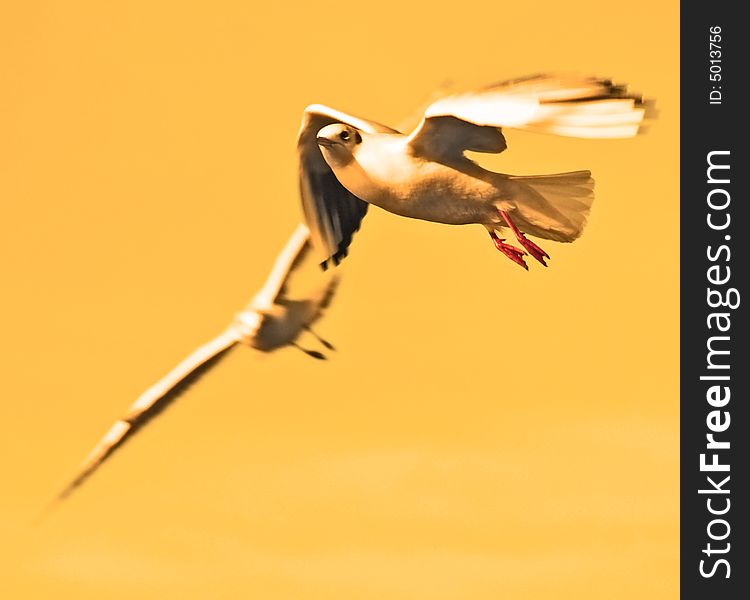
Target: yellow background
x,y
482,432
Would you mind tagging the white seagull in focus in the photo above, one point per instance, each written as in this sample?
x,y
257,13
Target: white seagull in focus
x,y
347,163
291,300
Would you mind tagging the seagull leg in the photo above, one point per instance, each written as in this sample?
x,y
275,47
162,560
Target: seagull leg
x,y
533,249
326,343
313,353
513,253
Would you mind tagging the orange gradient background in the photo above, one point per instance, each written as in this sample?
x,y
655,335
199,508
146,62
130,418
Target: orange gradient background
x,y
482,432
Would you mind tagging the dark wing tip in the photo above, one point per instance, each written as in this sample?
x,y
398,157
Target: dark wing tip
x,y
338,209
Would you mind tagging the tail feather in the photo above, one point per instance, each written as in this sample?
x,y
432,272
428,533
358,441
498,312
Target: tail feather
x,y
554,207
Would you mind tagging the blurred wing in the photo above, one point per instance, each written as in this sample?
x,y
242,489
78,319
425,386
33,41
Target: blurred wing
x,y
287,262
332,213
152,402
324,298
583,107
313,305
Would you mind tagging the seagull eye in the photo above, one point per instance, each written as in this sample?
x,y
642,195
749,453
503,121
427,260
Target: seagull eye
x,y
344,135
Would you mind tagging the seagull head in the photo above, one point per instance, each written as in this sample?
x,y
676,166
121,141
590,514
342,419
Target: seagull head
x,y
338,143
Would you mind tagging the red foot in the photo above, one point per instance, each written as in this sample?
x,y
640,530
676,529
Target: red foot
x,y
513,253
533,249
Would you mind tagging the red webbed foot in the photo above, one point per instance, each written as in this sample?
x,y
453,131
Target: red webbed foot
x,y
530,246
513,253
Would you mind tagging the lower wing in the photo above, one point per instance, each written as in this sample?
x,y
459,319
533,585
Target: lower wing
x,y
152,402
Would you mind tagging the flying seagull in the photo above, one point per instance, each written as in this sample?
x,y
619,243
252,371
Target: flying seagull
x,y
348,163
287,304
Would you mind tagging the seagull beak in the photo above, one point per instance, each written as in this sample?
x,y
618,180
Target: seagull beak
x,y
324,141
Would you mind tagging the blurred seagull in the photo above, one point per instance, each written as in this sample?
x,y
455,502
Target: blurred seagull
x,y
347,163
274,318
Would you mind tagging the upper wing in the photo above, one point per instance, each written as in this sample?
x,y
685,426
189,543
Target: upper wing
x,y
295,275
287,262
152,402
448,137
572,106
332,213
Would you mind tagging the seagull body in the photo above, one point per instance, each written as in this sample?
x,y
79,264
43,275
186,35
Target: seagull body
x,y
347,163
387,174
275,317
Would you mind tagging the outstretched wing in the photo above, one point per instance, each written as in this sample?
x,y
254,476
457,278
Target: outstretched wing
x,y
152,402
584,107
289,261
295,276
332,213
